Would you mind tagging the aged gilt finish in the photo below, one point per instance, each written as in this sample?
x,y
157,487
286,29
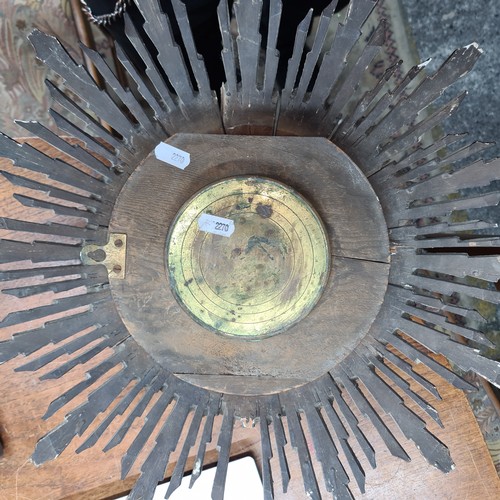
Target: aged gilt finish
x,y
411,227
263,277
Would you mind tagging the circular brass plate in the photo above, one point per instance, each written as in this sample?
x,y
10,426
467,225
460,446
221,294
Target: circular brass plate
x,y
265,276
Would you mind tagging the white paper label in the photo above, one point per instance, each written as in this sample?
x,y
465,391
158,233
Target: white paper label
x,y
216,225
173,156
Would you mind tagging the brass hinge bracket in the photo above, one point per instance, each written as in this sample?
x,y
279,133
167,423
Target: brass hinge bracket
x,y
112,255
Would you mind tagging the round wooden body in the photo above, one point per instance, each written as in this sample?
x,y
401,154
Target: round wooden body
x,y
349,299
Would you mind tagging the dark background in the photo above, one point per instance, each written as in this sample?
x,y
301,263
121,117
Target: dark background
x,y
440,26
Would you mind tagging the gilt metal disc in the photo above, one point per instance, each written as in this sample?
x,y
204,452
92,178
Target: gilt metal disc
x,y
257,269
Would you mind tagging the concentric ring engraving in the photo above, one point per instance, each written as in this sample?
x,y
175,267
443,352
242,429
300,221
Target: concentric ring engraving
x,y
263,278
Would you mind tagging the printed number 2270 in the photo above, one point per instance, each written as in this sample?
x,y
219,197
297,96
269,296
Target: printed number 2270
x,y
220,226
177,158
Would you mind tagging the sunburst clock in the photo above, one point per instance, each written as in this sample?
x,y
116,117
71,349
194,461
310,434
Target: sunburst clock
x,y
309,245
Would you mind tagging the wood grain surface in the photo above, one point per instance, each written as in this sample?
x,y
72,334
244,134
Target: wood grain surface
x,y
94,474
354,223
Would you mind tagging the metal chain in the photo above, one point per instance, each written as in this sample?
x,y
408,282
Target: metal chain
x,y
105,19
